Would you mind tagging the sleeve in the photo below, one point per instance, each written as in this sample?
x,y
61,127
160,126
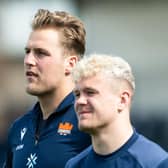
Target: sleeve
x,y
69,165
164,164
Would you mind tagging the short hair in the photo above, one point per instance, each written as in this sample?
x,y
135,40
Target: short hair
x,y
71,27
112,66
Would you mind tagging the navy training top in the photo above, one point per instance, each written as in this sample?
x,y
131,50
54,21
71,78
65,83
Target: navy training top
x,y
37,143
138,152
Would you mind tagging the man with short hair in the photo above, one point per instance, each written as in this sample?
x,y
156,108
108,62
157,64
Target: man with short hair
x,y
104,88
47,136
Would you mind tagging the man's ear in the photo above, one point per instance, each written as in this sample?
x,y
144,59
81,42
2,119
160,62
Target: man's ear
x,y
125,99
70,62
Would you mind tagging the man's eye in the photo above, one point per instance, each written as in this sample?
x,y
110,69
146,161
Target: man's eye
x,y
27,51
76,94
40,53
90,93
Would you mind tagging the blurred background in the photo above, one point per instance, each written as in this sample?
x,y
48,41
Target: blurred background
x,y
137,30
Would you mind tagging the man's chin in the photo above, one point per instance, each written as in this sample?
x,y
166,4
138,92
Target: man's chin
x,y
32,92
84,128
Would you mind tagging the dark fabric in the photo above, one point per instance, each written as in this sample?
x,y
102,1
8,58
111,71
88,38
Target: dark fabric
x,y
138,152
37,143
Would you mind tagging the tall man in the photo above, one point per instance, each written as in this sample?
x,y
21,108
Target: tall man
x,y
47,136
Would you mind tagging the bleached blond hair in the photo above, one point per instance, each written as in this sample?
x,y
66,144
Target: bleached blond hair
x,y
109,65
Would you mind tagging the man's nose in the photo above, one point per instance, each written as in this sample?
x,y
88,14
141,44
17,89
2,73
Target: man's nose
x,y
30,59
81,100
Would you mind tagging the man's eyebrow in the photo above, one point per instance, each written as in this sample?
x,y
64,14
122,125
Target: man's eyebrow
x,y
75,90
89,88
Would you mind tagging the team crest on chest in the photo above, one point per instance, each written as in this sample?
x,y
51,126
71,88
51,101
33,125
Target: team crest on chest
x,y
65,128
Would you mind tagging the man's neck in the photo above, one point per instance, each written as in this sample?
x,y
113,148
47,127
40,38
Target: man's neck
x,y
110,140
50,102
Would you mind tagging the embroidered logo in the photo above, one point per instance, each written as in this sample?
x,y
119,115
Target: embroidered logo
x,y
65,128
22,133
19,147
31,160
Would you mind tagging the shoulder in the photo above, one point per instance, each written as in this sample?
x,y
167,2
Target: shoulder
x,y
147,153
24,117
76,161
22,120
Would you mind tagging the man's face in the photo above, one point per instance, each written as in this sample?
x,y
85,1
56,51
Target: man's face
x,y
96,103
44,62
